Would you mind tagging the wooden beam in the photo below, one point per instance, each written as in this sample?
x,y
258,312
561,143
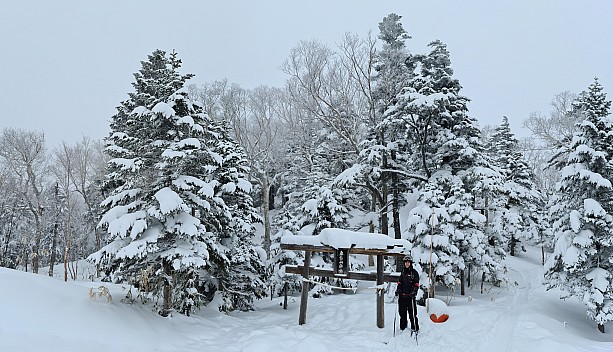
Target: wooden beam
x,y
351,275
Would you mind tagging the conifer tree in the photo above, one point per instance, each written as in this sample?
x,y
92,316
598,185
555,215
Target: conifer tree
x,y
246,273
518,202
393,71
169,208
581,264
450,154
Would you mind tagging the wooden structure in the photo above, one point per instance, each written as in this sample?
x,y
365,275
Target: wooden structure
x,y
341,263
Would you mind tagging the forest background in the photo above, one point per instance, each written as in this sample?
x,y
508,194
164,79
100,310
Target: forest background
x,y
364,127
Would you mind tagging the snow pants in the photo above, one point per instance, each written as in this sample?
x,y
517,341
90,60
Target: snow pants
x,y
408,305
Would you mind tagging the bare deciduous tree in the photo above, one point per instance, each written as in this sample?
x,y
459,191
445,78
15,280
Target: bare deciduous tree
x,y
76,169
63,169
558,126
24,154
550,133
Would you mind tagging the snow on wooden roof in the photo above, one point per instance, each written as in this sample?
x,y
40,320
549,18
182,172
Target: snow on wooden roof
x,y
340,238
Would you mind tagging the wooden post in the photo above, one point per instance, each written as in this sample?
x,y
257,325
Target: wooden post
x,y
305,288
285,296
380,311
336,264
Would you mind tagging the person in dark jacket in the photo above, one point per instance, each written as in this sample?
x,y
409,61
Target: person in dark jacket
x,y
408,284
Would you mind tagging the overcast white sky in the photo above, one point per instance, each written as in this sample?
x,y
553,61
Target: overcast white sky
x,y
67,64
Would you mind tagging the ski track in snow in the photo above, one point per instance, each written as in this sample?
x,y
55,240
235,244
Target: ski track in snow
x,y
500,339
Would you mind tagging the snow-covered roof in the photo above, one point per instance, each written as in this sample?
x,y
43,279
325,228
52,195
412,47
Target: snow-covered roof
x,y
339,238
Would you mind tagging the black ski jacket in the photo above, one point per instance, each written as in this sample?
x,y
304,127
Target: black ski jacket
x,y
408,283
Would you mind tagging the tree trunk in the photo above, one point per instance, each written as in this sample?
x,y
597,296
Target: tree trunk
x,y
266,214
37,210
383,220
25,255
4,259
601,328
37,240
98,242
371,225
542,249
53,249
469,270
68,239
396,210
167,292
462,282
271,198
482,281
35,258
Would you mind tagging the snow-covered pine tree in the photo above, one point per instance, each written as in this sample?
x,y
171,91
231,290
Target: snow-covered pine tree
x,y
449,152
519,201
165,211
581,264
388,144
246,274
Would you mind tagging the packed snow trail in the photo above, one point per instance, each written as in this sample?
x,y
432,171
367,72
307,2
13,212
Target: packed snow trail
x,y
501,337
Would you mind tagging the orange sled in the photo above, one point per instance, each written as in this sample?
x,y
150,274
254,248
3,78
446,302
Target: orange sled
x,y
440,319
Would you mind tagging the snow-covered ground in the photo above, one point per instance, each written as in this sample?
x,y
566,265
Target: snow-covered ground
x,y
46,314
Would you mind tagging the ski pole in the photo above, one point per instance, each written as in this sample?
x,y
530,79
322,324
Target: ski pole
x,y
395,315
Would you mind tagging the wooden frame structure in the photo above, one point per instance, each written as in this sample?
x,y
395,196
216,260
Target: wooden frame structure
x,y
341,270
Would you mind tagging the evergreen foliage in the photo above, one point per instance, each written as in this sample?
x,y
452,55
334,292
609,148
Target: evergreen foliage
x,y
518,202
582,261
178,204
449,153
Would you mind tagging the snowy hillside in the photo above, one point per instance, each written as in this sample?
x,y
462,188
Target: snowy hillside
x,y
41,313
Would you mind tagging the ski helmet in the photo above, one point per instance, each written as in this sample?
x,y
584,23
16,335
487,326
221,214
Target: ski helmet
x,y
407,259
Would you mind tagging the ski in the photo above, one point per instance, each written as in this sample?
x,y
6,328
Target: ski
x,y
416,332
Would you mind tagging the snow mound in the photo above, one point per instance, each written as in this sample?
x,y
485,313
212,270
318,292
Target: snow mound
x,y
436,306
